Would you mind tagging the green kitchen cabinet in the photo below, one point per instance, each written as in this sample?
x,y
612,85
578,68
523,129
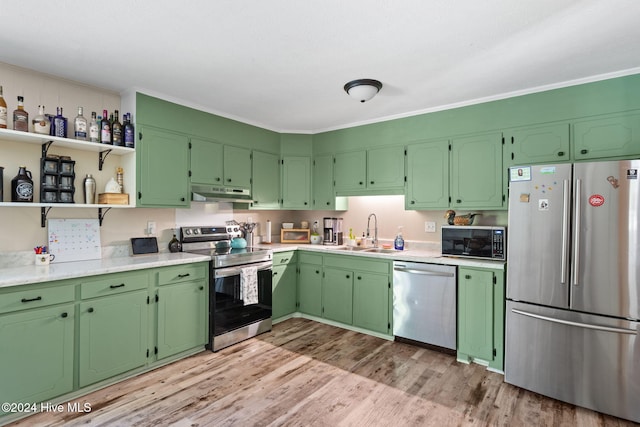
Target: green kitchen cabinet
x,y
428,175
162,168
477,172
182,308
284,296
113,335
481,316
296,182
324,195
371,302
265,180
537,144
206,161
337,295
350,172
611,136
237,166
385,169
310,283
37,352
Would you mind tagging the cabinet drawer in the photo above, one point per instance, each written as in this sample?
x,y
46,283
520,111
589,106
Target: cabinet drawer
x,y
309,258
182,273
358,263
282,258
114,284
27,298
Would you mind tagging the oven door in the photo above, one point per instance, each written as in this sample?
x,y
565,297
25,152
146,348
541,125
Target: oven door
x,y
228,310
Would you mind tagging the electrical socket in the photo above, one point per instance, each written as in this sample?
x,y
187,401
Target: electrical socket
x,y
151,227
430,226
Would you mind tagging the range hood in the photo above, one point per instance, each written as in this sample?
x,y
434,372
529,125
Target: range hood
x,y
213,193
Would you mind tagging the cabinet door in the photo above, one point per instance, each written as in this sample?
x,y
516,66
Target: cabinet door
x,y
182,317
540,144
206,162
36,354
237,166
475,313
337,295
612,136
310,289
350,172
385,169
113,336
428,175
283,300
296,183
323,194
163,169
371,302
265,181
476,172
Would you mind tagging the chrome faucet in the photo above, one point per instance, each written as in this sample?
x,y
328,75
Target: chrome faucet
x,y
375,238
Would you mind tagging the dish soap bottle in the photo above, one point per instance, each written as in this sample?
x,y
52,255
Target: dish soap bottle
x,y
398,243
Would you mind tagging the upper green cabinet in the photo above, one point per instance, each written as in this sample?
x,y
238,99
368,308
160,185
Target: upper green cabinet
x,y
539,144
324,195
427,175
609,136
296,182
265,180
206,161
162,168
237,167
477,172
374,171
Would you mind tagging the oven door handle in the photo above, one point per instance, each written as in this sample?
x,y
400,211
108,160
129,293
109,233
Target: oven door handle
x,y
235,271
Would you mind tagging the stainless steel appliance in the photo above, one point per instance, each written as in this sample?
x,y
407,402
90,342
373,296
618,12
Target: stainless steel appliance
x,y
573,294
332,231
219,193
233,314
424,303
484,242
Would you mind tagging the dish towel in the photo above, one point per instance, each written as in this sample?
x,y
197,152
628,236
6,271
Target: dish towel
x,y
249,285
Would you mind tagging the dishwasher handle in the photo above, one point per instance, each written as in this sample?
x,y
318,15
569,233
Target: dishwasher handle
x,y
423,272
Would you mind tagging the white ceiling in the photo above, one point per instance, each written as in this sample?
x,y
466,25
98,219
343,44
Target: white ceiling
x,y
282,64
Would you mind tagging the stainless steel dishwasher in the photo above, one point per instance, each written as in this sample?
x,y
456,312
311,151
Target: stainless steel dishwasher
x,y
424,303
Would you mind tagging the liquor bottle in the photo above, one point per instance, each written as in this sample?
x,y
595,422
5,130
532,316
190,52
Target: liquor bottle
x,y
105,129
20,117
116,130
80,126
129,134
60,124
22,186
94,128
3,111
41,123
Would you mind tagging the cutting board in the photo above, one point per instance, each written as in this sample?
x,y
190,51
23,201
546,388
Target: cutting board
x,y
74,239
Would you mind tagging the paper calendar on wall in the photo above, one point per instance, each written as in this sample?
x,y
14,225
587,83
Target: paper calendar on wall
x,y
74,239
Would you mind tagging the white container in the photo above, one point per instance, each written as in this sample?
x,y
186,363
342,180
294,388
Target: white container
x,y
287,225
44,259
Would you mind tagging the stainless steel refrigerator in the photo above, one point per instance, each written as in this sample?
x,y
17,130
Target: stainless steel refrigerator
x,y
573,275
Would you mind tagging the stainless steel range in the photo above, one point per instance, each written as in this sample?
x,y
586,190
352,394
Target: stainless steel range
x,y
239,284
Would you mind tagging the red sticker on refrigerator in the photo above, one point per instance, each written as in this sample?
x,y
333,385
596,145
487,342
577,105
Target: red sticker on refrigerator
x,y
596,200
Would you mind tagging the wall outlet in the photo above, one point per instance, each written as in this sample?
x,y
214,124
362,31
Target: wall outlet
x,y
151,227
430,226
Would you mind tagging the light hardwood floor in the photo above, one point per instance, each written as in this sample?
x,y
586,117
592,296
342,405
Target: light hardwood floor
x,y
305,373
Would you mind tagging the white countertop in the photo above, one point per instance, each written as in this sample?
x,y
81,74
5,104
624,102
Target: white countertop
x,y
411,255
68,270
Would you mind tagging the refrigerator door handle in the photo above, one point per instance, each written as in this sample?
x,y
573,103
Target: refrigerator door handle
x,y
576,234
565,231
578,324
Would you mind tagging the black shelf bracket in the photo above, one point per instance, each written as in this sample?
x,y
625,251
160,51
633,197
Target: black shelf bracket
x,y
103,156
101,215
43,215
45,149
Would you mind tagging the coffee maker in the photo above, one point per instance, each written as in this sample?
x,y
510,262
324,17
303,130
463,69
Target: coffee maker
x,y
332,231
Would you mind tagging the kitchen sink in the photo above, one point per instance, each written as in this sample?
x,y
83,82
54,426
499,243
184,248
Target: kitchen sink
x,y
351,248
381,250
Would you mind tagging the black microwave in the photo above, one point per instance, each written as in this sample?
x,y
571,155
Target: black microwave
x,y
484,242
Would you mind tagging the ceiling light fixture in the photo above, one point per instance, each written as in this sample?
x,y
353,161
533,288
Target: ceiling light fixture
x,y
363,89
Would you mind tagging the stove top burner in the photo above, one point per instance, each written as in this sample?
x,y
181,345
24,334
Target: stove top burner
x,y
214,252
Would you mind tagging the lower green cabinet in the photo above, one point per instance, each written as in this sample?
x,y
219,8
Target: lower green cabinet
x,y
371,296
36,354
310,288
113,336
481,316
337,295
283,300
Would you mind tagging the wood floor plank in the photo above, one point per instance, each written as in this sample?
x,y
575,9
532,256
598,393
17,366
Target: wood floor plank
x,y
305,373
